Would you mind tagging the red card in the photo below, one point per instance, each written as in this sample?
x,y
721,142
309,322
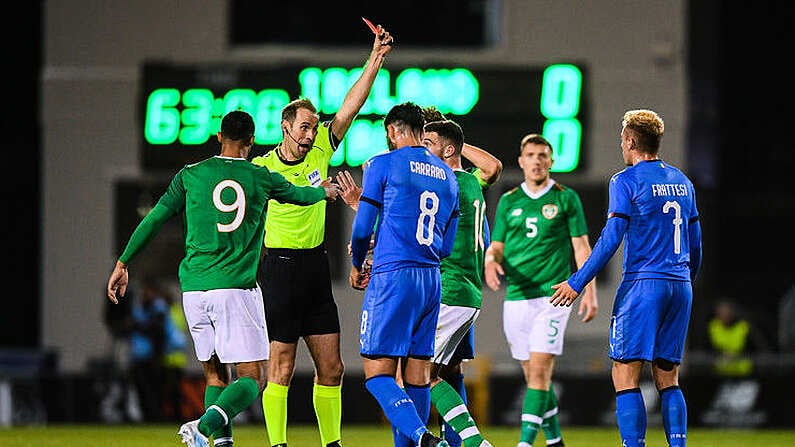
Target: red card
x,y
373,28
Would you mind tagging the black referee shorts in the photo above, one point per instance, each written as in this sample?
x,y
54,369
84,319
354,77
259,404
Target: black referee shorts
x,y
296,287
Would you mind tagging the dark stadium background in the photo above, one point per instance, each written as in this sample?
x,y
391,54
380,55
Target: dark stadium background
x,y
740,155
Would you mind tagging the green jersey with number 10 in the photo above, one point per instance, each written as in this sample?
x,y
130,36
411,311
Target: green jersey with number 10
x,y
462,271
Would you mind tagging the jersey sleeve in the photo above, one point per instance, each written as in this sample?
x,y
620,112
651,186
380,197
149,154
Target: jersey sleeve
x,y
373,181
326,136
620,197
170,203
363,223
449,234
498,232
694,237
369,207
609,240
476,172
285,192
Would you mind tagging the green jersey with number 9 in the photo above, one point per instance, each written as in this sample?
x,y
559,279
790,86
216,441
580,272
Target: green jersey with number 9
x,y
224,201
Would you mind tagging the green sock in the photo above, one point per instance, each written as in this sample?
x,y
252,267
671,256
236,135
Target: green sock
x,y
222,435
328,409
274,405
234,399
454,411
535,401
551,425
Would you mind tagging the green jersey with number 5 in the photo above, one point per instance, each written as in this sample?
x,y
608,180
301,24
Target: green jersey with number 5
x,y
537,230
224,201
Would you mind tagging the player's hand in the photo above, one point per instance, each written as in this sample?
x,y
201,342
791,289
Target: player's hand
x,y
492,272
349,190
563,294
589,305
332,189
118,280
359,278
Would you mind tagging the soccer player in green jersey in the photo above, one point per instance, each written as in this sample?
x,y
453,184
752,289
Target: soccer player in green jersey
x,y
536,225
462,288
223,200
294,251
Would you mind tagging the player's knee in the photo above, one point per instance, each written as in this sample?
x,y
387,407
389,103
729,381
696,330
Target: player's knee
x,y
665,365
666,374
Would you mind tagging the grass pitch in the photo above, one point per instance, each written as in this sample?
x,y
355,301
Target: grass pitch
x,y
360,436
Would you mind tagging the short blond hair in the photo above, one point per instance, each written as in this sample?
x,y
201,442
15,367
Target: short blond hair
x,y
649,127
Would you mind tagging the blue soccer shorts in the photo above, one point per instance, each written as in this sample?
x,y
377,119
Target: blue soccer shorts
x,y
400,312
650,320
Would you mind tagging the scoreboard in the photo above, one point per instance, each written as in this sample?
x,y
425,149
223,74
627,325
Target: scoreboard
x,y
181,106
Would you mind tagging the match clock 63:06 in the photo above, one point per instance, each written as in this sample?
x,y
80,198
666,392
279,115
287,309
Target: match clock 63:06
x,y
182,106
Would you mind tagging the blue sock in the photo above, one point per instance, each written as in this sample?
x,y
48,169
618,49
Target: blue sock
x,y
631,417
397,406
450,435
421,395
399,440
674,416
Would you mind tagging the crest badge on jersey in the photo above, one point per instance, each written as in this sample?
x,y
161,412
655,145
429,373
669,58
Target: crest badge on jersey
x,y
549,210
314,178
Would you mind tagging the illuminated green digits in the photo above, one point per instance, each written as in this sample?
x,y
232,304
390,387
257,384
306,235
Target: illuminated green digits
x,y
560,104
565,136
161,125
198,104
364,139
191,117
268,115
560,92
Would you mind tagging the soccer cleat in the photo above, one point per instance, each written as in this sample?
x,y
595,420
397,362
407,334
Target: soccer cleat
x,y
485,443
192,436
429,440
336,443
524,444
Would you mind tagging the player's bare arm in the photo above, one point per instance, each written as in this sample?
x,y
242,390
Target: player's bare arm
x,y
489,165
492,266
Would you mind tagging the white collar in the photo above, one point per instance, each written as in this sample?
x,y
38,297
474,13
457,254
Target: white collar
x,y
538,194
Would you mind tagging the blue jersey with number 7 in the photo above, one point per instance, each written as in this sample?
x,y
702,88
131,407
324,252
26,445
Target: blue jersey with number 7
x,y
660,203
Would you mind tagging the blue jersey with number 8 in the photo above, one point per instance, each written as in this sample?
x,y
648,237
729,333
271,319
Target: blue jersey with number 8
x,y
417,199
